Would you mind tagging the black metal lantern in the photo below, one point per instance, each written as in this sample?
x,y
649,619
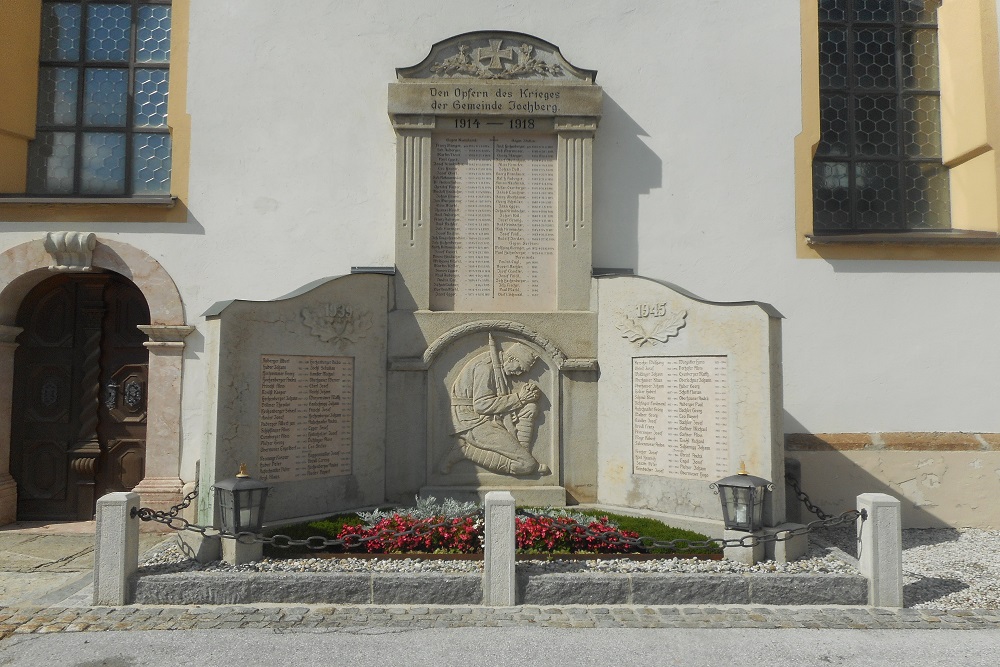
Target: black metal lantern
x,y
742,498
241,503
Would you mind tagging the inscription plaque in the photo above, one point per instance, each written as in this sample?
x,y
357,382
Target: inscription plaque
x,y
306,414
493,205
680,417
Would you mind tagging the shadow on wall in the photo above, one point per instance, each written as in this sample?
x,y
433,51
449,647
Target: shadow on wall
x,y
624,169
938,488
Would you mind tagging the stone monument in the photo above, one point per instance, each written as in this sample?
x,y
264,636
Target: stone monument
x,y
493,341
472,365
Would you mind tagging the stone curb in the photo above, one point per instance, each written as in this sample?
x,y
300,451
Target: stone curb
x,y
188,588
305,618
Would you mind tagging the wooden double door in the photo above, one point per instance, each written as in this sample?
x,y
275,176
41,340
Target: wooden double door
x,y
78,427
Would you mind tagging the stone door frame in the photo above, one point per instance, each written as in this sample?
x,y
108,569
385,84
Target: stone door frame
x,y
24,266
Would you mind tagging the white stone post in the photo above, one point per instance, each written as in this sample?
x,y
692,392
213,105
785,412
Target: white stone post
x,y
116,548
880,551
499,585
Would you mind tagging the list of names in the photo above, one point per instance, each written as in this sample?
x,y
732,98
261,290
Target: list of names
x,y
493,244
680,417
306,413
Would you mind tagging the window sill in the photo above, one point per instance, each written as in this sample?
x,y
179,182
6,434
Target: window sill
x,y
954,237
167,201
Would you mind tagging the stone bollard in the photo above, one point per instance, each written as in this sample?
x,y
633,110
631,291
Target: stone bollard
x,y
745,555
880,551
236,552
499,584
788,549
116,548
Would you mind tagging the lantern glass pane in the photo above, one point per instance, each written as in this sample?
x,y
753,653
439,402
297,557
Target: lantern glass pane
x,y
224,500
758,508
736,504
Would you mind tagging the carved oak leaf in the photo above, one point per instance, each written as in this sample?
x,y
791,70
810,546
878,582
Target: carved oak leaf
x,y
337,324
669,326
631,331
665,328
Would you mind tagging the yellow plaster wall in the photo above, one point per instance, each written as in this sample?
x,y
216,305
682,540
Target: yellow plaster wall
x,y
963,76
973,193
970,128
20,26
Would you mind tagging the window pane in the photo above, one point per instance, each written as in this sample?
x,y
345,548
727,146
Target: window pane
x,y
105,95
153,34
880,11
834,118
927,202
833,58
50,163
877,188
151,97
831,196
151,164
875,58
920,65
921,126
875,125
57,88
109,30
103,166
60,31
832,10
920,11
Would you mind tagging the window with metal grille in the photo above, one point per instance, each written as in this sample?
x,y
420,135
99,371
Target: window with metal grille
x,y
102,100
877,167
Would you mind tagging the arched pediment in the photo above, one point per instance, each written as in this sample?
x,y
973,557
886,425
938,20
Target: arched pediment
x,y
24,266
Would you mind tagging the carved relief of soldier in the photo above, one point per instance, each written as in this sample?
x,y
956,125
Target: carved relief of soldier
x,y
493,422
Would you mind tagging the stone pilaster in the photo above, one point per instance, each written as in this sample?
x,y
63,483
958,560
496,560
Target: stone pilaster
x,y
8,487
161,486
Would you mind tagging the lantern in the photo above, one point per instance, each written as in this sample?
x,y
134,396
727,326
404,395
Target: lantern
x,y
241,503
742,498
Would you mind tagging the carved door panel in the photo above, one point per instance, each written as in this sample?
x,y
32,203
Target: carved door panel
x,y
58,441
124,381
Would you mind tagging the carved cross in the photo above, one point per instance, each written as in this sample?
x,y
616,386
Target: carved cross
x,y
494,53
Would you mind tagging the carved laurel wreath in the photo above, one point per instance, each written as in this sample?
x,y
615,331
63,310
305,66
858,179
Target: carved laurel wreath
x,y
468,61
336,323
664,328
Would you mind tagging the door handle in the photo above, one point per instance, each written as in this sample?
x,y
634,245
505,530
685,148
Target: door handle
x,y
111,395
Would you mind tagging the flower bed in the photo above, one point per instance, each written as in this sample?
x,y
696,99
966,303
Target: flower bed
x,y
457,528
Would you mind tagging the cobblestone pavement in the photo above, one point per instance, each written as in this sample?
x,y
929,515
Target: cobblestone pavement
x,y
284,618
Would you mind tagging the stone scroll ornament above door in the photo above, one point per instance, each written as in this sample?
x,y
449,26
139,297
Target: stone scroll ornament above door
x,y
493,419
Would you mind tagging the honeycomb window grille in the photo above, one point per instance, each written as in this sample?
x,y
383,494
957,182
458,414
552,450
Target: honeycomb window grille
x,y
103,82
877,167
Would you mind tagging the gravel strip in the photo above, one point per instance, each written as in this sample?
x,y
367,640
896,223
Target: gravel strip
x,y
943,568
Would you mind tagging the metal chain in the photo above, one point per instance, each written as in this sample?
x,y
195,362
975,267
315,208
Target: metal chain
x,y
801,495
315,542
751,540
170,519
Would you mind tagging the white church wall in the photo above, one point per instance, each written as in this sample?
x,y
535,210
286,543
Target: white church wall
x,y
292,168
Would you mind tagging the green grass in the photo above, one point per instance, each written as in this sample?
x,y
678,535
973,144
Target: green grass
x,y
329,528
658,530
